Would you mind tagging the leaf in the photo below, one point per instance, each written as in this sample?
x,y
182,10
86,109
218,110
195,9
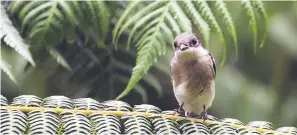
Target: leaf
x,y
149,46
43,122
13,121
12,38
250,12
260,9
7,69
198,21
149,78
132,5
208,15
58,57
137,16
183,20
138,88
46,22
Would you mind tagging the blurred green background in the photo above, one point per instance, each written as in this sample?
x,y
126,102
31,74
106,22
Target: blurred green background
x,y
261,86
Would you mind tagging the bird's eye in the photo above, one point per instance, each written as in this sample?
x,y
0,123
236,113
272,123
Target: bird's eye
x,y
194,41
175,44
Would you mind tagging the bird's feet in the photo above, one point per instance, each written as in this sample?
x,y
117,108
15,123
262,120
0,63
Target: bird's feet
x,y
180,111
203,115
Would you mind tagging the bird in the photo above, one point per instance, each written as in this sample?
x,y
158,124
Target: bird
x,y
193,72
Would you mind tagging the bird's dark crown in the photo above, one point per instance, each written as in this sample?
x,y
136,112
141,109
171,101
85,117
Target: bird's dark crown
x,y
186,40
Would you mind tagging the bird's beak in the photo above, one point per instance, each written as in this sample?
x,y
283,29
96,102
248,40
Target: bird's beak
x,y
183,47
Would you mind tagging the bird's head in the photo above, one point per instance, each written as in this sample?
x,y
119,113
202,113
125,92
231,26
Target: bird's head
x,y
187,46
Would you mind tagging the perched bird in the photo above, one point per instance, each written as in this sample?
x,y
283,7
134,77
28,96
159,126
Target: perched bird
x,y
193,71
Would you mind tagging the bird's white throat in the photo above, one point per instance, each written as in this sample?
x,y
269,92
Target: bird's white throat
x,y
192,54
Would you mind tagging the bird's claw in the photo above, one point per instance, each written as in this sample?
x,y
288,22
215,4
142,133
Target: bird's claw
x,y
203,116
180,111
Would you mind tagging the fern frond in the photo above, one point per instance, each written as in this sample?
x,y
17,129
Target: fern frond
x,y
104,15
147,108
7,69
142,21
181,17
118,117
193,127
137,88
96,29
106,123
217,128
136,124
27,100
112,105
75,123
227,19
198,21
260,9
137,16
149,46
58,57
43,122
173,24
149,78
46,21
289,130
164,125
132,5
87,104
208,15
58,102
12,121
250,12
261,124
3,101
12,38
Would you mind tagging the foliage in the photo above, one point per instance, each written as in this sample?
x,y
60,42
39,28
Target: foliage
x,y
152,35
54,119
49,26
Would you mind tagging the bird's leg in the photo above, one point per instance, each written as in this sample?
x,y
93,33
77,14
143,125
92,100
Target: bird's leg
x,y
203,115
180,110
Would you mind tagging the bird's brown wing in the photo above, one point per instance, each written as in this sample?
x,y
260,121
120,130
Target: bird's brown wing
x,y
213,66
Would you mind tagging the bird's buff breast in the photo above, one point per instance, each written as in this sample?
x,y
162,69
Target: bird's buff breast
x,y
193,102
189,79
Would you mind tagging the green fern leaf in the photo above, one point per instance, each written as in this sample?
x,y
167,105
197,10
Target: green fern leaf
x,y
143,21
198,21
260,9
12,38
7,69
16,6
129,9
208,15
183,20
144,29
47,20
149,78
137,16
97,28
149,47
137,88
227,19
59,58
249,10
173,24
104,15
